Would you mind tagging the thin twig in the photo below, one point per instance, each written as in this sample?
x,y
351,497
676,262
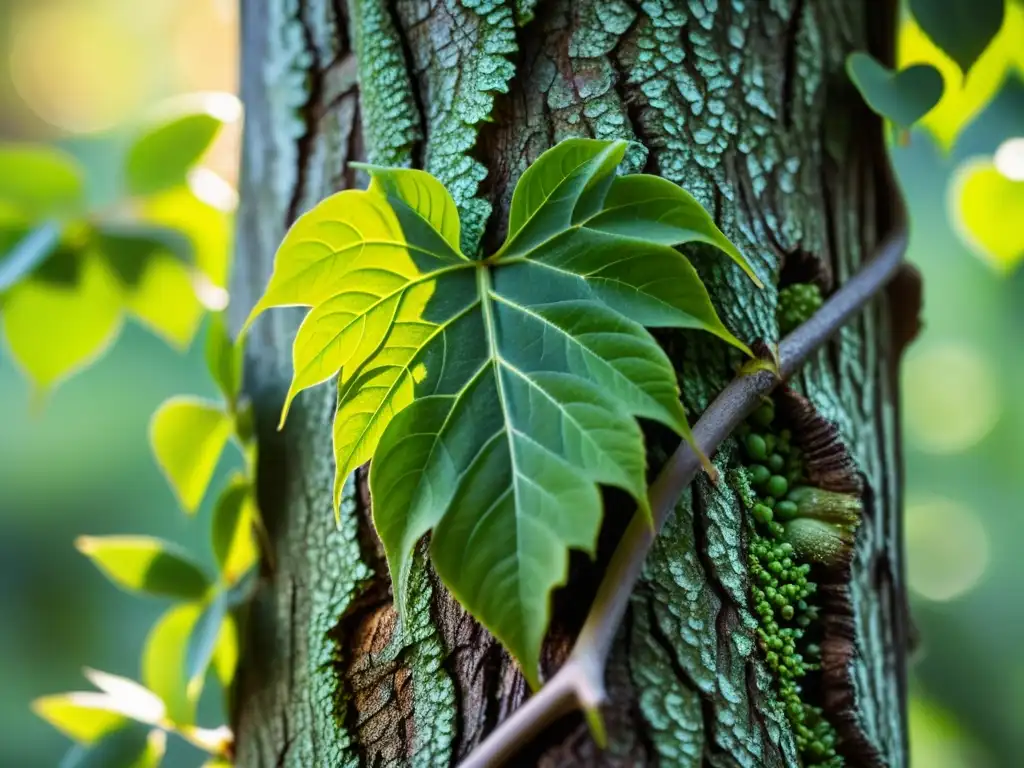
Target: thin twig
x,y
580,680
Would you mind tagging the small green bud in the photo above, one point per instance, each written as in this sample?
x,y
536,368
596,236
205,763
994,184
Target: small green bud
x,y
776,463
757,449
770,442
762,513
818,541
763,416
786,510
759,474
829,506
777,486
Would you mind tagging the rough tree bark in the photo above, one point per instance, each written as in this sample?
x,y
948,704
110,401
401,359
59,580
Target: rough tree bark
x,y
742,102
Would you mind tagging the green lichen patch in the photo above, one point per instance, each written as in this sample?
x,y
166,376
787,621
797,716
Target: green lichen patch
x,y
772,486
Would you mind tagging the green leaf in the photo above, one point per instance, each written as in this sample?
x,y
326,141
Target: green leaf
x,y
224,358
496,396
39,180
188,436
165,662
158,287
146,565
55,329
961,28
233,520
903,97
84,716
203,641
176,141
985,202
29,253
205,227
131,746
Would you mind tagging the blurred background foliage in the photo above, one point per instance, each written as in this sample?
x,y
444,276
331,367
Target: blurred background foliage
x,y
83,75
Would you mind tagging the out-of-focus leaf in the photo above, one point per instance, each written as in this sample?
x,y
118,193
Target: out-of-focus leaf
x,y
39,180
146,565
54,330
203,641
158,285
961,28
232,530
132,746
188,436
224,358
84,716
964,98
28,254
903,97
225,655
206,227
988,210
165,662
176,141
128,697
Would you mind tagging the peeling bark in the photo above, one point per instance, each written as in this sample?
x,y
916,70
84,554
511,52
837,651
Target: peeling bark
x,y
746,105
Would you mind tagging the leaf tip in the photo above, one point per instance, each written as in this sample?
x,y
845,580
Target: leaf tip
x,y
595,722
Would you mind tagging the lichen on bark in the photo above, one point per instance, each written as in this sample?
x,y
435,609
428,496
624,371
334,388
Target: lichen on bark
x,y
742,103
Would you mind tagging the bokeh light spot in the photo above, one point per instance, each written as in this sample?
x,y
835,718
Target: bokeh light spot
x,y
1009,159
947,548
956,400
76,68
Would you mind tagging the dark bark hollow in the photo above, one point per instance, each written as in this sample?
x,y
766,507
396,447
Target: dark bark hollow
x,y
745,105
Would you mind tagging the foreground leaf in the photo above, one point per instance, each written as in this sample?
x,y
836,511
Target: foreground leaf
x,y
162,155
39,180
903,97
145,565
496,395
961,28
55,329
188,436
133,745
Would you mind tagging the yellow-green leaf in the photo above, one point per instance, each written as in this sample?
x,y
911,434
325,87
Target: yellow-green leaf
x,y
146,565
986,207
84,716
224,358
234,518
165,662
206,228
188,436
39,180
53,328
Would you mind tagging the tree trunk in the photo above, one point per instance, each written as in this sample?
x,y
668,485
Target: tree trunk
x,y
746,105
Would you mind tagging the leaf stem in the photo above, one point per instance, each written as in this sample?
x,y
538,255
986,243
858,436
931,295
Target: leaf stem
x,y
579,683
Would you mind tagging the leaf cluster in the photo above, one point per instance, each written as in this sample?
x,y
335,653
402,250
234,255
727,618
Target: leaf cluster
x,y
70,271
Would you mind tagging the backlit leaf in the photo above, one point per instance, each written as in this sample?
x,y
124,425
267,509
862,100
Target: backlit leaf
x,y
961,28
203,641
233,519
54,328
983,204
206,228
84,716
496,395
128,697
165,660
188,436
146,565
224,358
163,153
903,97
39,180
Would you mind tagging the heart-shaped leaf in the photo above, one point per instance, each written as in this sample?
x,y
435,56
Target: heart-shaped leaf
x,y
903,97
496,395
961,28
188,436
988,208
146,565
176,140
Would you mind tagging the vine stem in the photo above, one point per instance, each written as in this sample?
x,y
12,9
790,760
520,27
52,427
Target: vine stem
x,y
579,683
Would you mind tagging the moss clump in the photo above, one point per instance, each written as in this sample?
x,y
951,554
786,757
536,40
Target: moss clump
x,y
797,303
772,486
